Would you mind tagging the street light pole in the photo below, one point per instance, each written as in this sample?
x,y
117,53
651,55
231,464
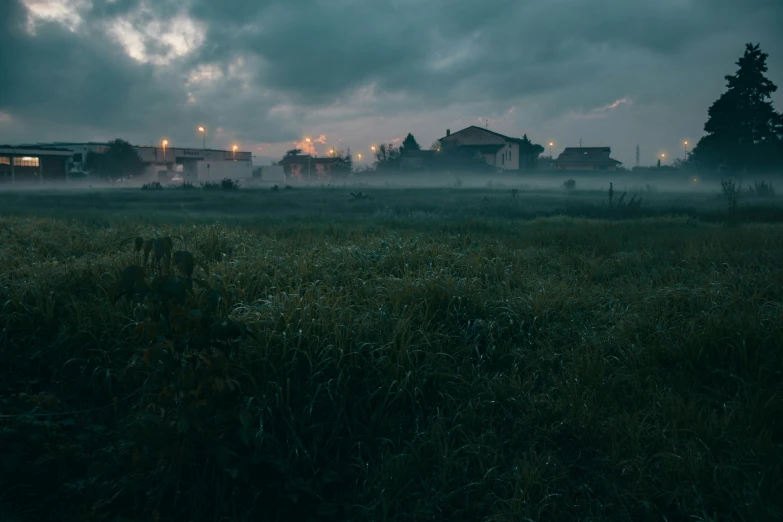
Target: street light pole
x,y
309,156
203,130
685,158
550,149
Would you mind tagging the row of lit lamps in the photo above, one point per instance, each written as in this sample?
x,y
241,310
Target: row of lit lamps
x,y
373,148
663,154
331,151
685,145
551,144
203,130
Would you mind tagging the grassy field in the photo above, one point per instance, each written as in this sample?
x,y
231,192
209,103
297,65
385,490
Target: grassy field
x,y
414,356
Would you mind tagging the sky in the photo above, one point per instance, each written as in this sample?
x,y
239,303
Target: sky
x,y
265,74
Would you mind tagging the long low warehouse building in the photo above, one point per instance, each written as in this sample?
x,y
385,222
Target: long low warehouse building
x,y
166,162
33,164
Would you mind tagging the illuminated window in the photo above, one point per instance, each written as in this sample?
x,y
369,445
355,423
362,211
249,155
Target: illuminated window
x,y
5,160
26,161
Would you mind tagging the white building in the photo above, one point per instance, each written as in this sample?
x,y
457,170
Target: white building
x,y
192,164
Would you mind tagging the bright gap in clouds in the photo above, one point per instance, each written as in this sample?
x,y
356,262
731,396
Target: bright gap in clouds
x,y
601,112
64,12
143,36
139,33
204,74
616,104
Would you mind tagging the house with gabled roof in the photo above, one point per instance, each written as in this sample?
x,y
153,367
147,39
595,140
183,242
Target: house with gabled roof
x,y
586,158
498,150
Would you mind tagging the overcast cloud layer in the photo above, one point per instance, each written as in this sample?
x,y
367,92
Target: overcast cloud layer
x,y
265,73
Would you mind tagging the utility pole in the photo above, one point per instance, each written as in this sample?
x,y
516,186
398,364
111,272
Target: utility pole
x,y
486,123
637,155
580,143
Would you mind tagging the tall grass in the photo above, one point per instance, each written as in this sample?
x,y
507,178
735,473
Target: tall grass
x,y
397,369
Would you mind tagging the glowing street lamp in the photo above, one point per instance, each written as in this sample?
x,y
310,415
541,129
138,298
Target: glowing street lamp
x,y
234,150
685,144
359,155
374,148
309,141
551,144
331,152
164,143
203,130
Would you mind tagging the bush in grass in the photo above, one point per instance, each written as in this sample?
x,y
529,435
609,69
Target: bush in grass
x,y
224,184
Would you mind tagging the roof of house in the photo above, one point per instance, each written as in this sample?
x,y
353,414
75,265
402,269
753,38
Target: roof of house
x,y
508,138
587,155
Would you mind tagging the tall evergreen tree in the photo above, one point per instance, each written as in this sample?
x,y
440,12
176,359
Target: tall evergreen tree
x,y
409,144
743,129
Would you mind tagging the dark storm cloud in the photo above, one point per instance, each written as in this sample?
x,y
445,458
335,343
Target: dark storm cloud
x,y
549,57
86,80
70,77
316,51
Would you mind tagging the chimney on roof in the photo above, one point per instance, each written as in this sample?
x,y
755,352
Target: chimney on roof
x,y
448,132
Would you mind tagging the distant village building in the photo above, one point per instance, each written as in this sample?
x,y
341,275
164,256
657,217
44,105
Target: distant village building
x,y
307,167
586,158
497,150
